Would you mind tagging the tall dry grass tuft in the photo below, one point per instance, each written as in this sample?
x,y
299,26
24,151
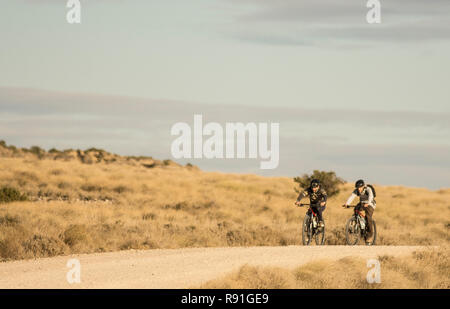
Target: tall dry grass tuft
x,y
422,270
251,277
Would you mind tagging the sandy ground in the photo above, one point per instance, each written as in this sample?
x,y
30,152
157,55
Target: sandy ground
x,y
171,268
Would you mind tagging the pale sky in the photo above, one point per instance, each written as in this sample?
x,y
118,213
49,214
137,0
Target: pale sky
x,y
364,100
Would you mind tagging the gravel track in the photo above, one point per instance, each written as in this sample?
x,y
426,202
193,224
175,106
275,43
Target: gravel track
x,y
171,268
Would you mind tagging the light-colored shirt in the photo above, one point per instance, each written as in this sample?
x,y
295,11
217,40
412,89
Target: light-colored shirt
x,y
366,196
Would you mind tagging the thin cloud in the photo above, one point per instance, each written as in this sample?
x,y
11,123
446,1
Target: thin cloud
x,y
23,101
337,22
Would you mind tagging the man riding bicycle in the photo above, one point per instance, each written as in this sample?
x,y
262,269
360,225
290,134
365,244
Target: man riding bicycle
x,y
366,203
317,198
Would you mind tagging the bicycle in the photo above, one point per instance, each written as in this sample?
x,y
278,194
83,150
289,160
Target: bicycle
x,y
311,228
357,227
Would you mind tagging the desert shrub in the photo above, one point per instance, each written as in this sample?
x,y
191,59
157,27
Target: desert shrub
x,y
13,149
75,234
63,185
167,162
38,151
130,244
148,216
56,172
54,150
43,246
191,166
329,181
27,176
3,143
8,195
177,206
8,220
151,165
121,189
10,249
91,188
93,149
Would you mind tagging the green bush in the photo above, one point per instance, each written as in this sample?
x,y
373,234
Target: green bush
x,y
13,149
8,195
93,149
54,150
329,181
37,151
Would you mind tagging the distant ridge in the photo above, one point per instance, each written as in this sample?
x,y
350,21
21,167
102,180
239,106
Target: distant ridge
x,y
88,156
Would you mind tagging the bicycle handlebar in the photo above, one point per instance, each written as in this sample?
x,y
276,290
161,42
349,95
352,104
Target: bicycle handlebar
x,y
351,206
300,205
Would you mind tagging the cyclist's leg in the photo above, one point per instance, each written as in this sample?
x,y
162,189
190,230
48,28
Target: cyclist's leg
x,y
318,210
369,213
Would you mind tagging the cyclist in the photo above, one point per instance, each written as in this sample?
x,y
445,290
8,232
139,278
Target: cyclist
x,y
317,199
366,203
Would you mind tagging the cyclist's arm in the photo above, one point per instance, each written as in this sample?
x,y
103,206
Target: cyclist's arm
x,y
302,195
350,199
370,202
324,197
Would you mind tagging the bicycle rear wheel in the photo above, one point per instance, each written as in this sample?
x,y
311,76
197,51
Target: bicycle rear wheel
x,y
352,231
306,231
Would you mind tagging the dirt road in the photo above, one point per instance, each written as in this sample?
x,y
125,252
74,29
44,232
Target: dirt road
x,y
170,268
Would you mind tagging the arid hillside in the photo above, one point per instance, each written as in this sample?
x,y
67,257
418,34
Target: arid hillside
x,y
93,201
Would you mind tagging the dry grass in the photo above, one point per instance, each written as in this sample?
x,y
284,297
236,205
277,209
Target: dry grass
x,y
80,208
421,270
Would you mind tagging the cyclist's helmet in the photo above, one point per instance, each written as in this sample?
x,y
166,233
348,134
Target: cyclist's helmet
x,y
359,183
315,183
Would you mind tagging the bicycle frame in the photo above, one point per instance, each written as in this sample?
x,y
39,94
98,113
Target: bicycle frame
x,y
311,228
309,209
356,213
314,215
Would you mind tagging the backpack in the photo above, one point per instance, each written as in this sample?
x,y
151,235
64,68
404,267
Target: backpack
x,y
373,190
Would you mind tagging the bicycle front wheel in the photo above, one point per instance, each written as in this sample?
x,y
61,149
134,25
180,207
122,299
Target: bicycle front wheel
x,y
352,231
320,235
306,231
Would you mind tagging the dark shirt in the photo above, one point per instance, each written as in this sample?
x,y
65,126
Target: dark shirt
x,y
314,197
